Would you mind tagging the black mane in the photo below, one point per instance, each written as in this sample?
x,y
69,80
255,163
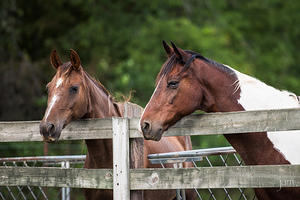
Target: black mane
x,y
172,61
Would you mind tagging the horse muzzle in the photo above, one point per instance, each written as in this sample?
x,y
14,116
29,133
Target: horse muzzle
x,y
50,131
151,131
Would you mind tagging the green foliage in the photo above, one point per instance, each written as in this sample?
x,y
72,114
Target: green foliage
x,y
120,44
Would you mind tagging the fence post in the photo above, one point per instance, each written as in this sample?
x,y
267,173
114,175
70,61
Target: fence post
x,y
121,186
136,146
65,191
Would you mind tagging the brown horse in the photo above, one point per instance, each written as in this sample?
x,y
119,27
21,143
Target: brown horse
x,y
74,94
188,82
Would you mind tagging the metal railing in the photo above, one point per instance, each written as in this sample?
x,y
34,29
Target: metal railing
x,y
221,156
36,193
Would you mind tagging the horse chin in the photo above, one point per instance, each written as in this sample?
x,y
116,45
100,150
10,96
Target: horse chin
x,y
156,136
53,138
50,139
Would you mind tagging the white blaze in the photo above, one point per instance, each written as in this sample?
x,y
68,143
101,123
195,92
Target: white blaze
x,y
150,100
59,82
52,102
54,98
256,95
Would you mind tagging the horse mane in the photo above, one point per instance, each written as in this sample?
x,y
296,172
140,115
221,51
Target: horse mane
x,y
102,88
98,84
168,66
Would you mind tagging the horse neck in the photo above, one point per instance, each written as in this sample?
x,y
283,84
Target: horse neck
x,y
100,105
227,99
218,87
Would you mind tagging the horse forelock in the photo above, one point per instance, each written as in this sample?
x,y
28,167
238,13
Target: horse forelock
x,y
64,72
61,76
166,68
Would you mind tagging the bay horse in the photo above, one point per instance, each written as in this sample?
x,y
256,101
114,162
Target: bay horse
x,y
73,94
188,81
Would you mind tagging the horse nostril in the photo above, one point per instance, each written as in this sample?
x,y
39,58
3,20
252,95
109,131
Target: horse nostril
x,y
145,127
50,127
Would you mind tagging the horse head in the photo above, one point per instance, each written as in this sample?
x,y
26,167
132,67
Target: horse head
x,y
175,94
67,96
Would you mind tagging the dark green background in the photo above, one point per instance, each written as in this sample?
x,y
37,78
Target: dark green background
x,y
120,44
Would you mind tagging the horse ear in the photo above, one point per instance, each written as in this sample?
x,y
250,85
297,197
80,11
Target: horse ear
x,y
178,52
75,60
55,60
167,48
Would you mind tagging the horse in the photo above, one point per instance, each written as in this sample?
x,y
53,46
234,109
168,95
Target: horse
x,y
73,94
189,81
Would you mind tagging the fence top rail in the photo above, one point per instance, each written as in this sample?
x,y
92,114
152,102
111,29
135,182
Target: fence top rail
x,y
200,124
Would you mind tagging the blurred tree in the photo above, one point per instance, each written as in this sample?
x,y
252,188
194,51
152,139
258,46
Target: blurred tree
x,y
120,44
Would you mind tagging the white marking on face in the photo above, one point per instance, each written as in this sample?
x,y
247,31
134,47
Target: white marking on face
x,y
54,98
59,82
149,101
52,102
256,95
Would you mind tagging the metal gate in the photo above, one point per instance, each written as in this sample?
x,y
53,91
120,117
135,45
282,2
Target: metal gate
x,y
37,193
223,156
211,157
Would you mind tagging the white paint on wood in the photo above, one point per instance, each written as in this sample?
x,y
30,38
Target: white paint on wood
x,y
121,159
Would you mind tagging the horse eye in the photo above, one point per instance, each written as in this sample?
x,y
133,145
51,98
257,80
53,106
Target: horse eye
x,y
173,84
73,89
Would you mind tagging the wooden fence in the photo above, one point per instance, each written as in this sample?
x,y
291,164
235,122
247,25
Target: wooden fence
x,y
122,179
